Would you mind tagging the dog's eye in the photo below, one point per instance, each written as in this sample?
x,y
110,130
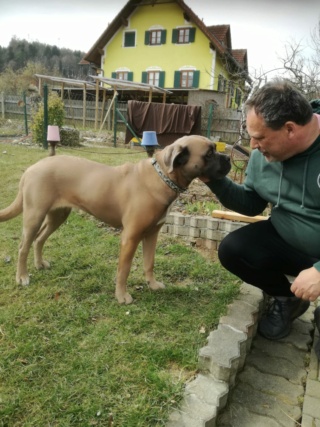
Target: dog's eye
x,y
210,153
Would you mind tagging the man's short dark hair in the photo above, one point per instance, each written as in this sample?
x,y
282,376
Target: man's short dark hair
x,y
279,102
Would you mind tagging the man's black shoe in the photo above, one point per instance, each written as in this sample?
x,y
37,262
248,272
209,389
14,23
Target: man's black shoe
x,y
277,320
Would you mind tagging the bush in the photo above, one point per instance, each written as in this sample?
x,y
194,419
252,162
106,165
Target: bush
x,y
55,117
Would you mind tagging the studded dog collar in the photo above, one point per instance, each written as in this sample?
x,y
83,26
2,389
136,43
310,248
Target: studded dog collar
x,y
166,179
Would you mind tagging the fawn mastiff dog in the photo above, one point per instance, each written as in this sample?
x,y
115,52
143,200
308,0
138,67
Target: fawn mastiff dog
x,y
133,196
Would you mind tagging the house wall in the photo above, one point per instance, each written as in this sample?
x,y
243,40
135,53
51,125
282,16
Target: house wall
x,y
168,57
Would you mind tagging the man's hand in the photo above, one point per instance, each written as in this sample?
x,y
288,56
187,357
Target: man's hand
x,y
307,284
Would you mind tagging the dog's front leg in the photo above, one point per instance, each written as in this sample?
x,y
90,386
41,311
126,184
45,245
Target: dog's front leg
x,y
128,248
149,248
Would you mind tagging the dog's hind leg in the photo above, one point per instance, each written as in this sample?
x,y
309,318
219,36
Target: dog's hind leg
x,y
149,248
31,224
51,223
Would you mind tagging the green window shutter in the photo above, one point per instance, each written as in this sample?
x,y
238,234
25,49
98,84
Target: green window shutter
x,y
147,37
196,77
192,35
161,78
144,78
176,83
163,36
130,76
175,35
113,75
129,39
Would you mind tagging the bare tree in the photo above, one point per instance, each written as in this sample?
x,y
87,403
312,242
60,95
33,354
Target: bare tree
x,y
301,64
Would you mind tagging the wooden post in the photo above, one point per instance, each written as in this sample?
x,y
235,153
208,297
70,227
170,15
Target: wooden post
x,y
2,105
40,87
107,114
97,106
115,118
84,106
102,108
150,95
45,116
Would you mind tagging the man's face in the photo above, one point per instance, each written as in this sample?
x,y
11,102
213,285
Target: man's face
x,y
274,145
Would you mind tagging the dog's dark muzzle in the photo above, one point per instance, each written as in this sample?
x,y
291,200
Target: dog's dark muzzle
x,y
218,167
225,163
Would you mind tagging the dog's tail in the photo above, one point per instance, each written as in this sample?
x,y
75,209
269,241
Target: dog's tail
x,y
14,209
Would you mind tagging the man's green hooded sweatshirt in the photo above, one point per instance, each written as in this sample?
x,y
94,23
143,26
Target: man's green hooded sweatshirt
x,y
292,188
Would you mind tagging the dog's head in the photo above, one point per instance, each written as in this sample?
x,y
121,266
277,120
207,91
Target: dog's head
x,y
196,156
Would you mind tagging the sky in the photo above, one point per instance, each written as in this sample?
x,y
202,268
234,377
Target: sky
x,y
263,27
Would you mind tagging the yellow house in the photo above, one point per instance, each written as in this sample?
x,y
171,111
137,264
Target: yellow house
x,y
164,43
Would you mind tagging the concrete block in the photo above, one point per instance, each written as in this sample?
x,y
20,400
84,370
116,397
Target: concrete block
x,y
313,388
164,228
169,218
308,421
209,390
195,412
240,318
198,221
311,407
178,218
224,353
229,226
194,232
212,234
266,405
180,230
272,385
212,224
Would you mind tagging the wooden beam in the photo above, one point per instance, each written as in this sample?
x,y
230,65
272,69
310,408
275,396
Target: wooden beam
x,y
235,216
62,91
164,98
97,105
84,113
124,21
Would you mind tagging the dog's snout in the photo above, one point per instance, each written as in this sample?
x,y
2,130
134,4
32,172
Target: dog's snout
x,y
225,163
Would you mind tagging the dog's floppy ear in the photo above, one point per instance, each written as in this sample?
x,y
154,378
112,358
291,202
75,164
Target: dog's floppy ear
x,y
175,155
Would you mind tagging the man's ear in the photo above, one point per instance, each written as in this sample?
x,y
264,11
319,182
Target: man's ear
x,y
291,128
174,156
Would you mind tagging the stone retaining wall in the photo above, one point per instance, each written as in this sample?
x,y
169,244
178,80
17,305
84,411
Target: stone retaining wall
x,y
203,231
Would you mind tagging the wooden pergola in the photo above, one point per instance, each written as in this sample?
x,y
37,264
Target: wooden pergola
x,y
100,84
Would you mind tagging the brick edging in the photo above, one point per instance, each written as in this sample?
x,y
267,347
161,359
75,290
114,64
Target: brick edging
x,y
204,231
220,361
224,355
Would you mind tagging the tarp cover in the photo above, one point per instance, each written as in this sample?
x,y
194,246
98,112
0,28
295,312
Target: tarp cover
x,y
169,121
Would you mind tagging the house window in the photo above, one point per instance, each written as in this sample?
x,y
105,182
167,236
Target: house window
x,y
183,35
155,37
153,78
129,39
122,75
222,83
186,79
238,97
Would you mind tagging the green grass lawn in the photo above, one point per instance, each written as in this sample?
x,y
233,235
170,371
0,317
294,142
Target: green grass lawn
x,y
70,355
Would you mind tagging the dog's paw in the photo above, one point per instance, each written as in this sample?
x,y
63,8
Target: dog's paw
x,y
40,265
124,298
156,285
23,279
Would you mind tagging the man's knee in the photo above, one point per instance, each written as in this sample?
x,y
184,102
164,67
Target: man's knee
x,y
231,248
